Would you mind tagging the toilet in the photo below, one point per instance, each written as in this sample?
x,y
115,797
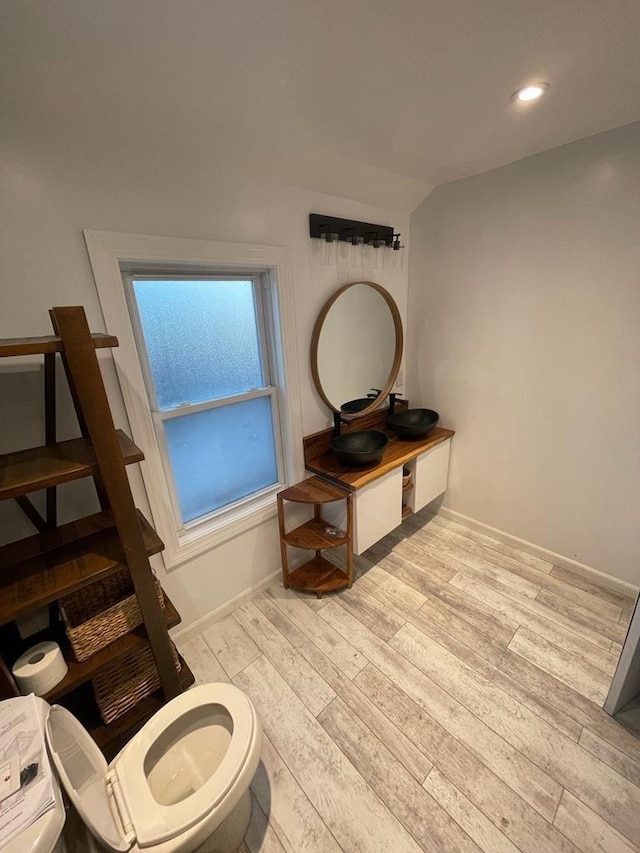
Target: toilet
x,y
180,785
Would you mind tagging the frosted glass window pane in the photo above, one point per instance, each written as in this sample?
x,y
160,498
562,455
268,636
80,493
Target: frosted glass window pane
x,y
221,455
201,339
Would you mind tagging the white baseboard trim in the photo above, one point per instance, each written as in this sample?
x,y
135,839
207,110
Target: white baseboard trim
x,y
204,622
608,581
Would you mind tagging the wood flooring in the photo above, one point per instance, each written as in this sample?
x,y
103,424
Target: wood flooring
x,y
450,702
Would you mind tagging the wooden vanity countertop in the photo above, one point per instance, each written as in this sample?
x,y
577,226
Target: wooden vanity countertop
x,y
321,460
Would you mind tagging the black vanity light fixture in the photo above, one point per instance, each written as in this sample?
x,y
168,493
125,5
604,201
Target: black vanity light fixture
x,y
332,229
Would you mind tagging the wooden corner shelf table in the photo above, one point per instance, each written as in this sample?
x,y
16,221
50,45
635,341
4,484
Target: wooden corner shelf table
x,y
317,574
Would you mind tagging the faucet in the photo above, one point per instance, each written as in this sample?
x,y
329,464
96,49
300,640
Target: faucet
x,y
393,398
337,420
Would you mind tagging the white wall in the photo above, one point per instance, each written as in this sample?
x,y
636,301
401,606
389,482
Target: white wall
x,y
47,197
525,335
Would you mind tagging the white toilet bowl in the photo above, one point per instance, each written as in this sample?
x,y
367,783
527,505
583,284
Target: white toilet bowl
x,y
181,784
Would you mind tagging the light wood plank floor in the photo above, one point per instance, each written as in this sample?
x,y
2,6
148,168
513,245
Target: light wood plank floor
x,y
451,701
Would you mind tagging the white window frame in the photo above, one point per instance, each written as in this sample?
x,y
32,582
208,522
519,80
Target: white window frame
x,y
267,344
113,256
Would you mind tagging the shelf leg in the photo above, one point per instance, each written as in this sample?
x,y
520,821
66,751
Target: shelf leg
x,y
50,430
350,536
32,513
283,546
8,687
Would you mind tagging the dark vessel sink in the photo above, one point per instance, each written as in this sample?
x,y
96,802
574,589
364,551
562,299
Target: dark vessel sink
x,y
353,406
363,447
413,423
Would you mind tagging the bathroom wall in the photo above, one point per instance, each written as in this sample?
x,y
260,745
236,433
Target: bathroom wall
x,y
49,193
524,334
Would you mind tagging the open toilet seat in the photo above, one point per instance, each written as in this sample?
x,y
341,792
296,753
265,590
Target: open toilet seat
x,y
116,801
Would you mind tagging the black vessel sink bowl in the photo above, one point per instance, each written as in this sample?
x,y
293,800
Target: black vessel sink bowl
x,y
413,423
353,406
363,447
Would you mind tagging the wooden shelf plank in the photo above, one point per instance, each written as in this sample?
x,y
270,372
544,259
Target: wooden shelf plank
x,y
28,585
318,575
79,673
313,490
316,534
48,541
46,344
41,467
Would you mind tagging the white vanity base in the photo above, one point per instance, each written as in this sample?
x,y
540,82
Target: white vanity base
x,y
430,471
377,507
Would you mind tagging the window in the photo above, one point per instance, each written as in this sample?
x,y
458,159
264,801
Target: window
x,y
204,344
207,365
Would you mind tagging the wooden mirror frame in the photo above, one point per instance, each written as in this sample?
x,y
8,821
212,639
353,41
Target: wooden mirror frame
x,y
397,358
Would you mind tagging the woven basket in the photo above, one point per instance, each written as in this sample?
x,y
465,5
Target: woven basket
x,y
100,613
127,681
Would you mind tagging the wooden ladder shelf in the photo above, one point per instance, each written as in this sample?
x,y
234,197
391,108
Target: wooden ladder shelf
x,y
58,560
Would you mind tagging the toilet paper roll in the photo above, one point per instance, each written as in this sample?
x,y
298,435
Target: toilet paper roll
x,y
40,668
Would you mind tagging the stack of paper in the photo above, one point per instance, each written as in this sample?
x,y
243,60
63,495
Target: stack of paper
x,y
26,791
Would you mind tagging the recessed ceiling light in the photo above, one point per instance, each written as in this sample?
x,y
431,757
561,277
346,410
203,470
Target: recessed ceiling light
x,y
531,93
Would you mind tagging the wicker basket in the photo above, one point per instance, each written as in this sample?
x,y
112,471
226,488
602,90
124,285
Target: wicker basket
x,y
100,613
127,681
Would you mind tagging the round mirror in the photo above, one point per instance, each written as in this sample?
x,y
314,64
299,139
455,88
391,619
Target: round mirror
x,y
356,347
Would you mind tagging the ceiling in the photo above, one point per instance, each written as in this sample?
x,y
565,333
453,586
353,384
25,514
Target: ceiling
x,y
412,91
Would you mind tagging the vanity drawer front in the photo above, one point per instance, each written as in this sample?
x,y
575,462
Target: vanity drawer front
x,y
430,476
378,510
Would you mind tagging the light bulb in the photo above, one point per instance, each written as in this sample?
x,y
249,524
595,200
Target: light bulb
x,y
531,93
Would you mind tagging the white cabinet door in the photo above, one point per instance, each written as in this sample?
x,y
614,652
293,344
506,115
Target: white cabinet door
x,y
377,509
430,475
